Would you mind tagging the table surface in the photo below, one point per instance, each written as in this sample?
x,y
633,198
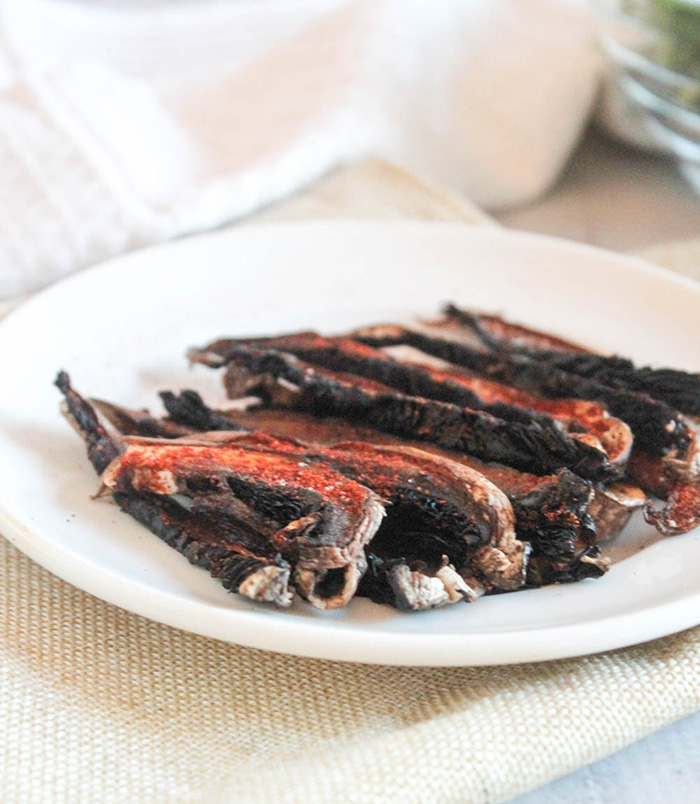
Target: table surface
x,y
613,196
623,199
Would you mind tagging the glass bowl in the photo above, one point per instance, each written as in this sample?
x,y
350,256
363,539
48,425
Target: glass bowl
x,y
652,94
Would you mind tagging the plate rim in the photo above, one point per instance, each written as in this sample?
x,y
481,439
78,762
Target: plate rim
x,y
576,639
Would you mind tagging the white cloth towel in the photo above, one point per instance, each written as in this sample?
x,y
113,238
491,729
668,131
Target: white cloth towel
x,y
123,125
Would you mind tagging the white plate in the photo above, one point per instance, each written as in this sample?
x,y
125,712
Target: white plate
x,y
121,329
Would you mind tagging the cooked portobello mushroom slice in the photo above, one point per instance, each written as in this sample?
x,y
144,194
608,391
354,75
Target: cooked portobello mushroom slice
x,y
138,422
680,389
283,380
497,333
436,505
552,512
264,579
583,420
261,576
102,446
659,430
324,519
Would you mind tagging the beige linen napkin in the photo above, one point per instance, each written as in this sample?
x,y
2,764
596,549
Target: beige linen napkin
x,y
99,706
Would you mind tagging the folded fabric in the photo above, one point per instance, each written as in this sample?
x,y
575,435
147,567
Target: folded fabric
x,y
118,130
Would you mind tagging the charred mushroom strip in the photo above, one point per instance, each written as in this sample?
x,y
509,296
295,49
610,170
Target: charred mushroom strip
x,y
436,505
497,333
552,511
192,413
138,422
297,385
219,352
680,389
586,420
351,357
453,501
102,448
553,515
657,428
681,512
262,577
589,421
660,431
324,519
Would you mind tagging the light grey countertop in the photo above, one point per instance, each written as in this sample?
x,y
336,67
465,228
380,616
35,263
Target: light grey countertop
x,y
614,196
